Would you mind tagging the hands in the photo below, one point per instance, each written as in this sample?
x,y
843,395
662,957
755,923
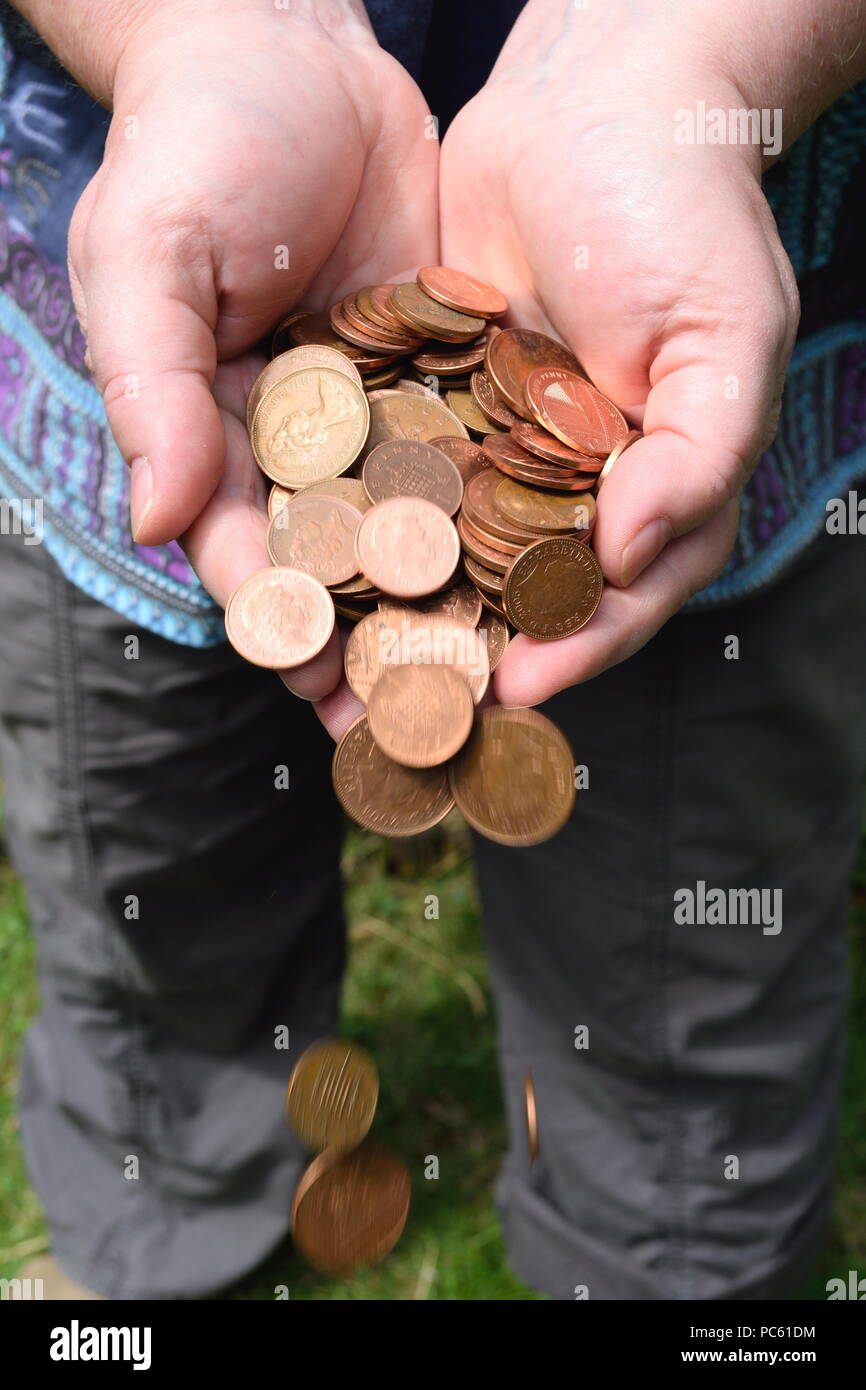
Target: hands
x,y
660,265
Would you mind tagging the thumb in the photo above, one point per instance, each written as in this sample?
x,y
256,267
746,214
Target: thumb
x,y
148,307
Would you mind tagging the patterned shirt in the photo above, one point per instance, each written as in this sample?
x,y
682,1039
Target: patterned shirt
x,y
55,446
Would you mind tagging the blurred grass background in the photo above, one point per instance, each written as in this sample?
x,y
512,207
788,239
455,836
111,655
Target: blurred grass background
x,y
418,997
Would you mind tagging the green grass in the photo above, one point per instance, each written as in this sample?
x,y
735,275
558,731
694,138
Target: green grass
x,y
418,997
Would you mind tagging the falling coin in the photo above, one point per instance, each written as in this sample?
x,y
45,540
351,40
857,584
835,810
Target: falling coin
x,y
420,715
531,1116
279,618
332,1095
514,778
350,1209
380,794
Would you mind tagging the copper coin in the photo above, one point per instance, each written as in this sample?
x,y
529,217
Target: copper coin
x,y
380,296
462,292
371,646
281,339
531,1116
555,513
575,411
380,340
517,352
553,588
350,489
489,403
398,337
468,457
353,610
305,330
616,451
482,510
401,416
332,1095
412,468
514,778
438,360
547,447
496,636
420,715
419,312
279,618
309,426
511,458
506,549
466,409
407,546
355,589
381,795
292,361
382,377
436,639
277,498
350,1208
486,580
478,549
407,388
459,602
492,603
316,534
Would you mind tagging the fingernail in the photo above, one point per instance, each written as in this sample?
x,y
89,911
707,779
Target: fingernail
x,y
141,492
310,699
647,545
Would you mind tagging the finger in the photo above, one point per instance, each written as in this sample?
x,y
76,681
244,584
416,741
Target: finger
x,y
149,306
626,619
338,710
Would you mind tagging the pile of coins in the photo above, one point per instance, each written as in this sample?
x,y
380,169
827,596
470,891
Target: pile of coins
x,y
435,525
352,1202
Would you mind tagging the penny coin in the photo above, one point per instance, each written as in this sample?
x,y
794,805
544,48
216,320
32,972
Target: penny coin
x,y
404,386
466,408
496,636
418,311
381,795
277,498
379,305
371,645
488,402
615,452
379,341
382,377
420,715
487,580
412,468
356,588
514,778
511,458
332,1094
462,292
553,588
478,549
437,360
482,510
281,339
575,411
459,602
403,416
350,1209
350,489
469,457
531,1116
315,329
516,352
552,512
492,603
396,335
293,360
547,447
406,637
309,426
316,534
407,546
279,618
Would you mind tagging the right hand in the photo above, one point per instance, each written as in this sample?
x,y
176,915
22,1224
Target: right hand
x,y
232,136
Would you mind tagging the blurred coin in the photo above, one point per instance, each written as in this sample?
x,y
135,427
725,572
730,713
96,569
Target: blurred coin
x,y
418,311
277,498
350,1209
279,618
412,468
462,292
495,631
516,352
514,778
575,411
407,546
316,534
420,715
553,588
332,1094
531,1116
381,795
459,602
309,426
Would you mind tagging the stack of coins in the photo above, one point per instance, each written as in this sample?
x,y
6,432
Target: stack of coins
x,y
411,514
351,1203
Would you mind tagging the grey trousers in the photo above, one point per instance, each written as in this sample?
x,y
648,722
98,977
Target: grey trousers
x,y
686,1073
